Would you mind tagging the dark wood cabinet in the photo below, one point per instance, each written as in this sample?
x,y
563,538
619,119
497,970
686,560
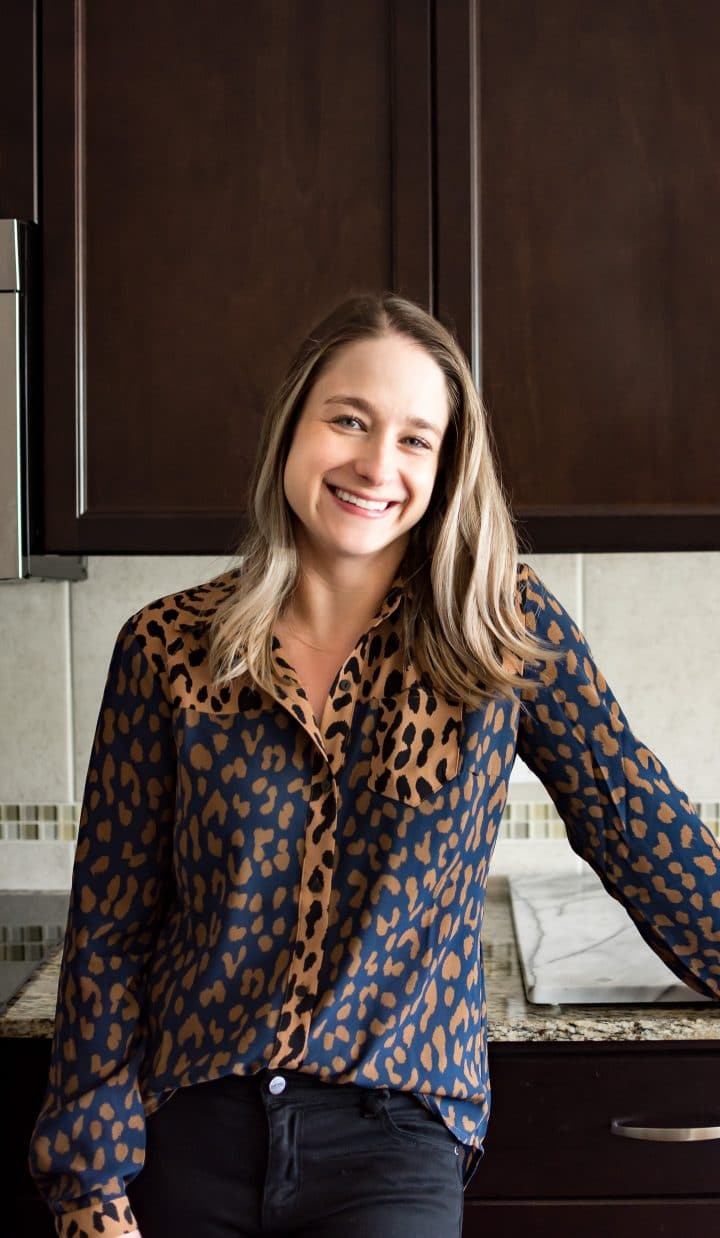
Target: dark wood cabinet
x,y
213,178
662,1218
552,1165
579,256
18,127
24,1064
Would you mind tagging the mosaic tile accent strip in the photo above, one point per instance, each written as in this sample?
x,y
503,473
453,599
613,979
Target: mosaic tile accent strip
x,y
21,943
535,820
39,822
539,821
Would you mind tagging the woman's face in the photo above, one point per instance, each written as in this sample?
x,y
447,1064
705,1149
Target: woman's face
x,y
365,453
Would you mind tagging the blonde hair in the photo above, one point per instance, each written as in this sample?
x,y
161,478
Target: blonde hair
x,y
462,618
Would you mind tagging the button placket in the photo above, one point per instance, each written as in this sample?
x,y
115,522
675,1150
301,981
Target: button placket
x,y
312,920
320,840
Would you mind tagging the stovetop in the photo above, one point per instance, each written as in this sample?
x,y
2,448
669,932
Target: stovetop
x,y
32,924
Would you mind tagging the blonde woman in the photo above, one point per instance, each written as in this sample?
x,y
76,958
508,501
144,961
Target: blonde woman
x,y
271,1017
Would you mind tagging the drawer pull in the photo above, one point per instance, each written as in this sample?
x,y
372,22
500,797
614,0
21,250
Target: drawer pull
x,y
664,1134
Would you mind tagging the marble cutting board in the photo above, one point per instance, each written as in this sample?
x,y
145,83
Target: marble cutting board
x,y
578,945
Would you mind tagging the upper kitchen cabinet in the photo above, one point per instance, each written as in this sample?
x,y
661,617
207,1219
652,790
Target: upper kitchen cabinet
x,y
214,177
543,176
578,253
18,197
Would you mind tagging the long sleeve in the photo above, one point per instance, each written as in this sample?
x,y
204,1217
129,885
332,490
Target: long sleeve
x,y
622,811
89,1139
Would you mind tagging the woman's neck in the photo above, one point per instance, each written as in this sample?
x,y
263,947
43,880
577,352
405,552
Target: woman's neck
x,y
330,607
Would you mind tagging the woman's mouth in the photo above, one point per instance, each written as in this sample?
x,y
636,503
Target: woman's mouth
x,y
358,505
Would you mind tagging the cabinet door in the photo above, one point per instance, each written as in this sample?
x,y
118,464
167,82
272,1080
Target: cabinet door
x,y
215,177
24,1064
579,256
550,1135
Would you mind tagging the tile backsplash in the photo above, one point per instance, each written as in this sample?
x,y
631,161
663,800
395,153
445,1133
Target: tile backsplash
x,y
522,820
649,619
39,822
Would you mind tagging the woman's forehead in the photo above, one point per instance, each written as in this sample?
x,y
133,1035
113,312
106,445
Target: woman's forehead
x,y
389,374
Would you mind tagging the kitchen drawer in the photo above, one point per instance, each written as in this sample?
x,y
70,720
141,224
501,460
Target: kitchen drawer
x,y
661,1218
550,1124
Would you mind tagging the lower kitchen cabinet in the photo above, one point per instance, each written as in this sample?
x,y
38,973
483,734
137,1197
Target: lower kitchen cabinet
x,y
24,1065
553,1164
639,1218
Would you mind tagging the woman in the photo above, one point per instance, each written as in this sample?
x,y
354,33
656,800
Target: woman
x,y
271,1016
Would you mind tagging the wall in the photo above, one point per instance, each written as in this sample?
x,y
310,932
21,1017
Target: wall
x,y
650,620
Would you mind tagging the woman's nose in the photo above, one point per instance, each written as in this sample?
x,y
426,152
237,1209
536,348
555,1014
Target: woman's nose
x,y
375,461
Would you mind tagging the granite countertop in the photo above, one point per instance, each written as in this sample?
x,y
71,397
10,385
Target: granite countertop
x,y
510,1017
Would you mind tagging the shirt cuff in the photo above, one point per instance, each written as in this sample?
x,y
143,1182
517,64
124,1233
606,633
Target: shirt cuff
x,y
110,1218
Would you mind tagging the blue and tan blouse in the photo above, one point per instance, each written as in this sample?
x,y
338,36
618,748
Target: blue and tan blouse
x,y
252,889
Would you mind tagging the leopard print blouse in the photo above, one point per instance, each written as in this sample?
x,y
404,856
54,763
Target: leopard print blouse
x,y
252,889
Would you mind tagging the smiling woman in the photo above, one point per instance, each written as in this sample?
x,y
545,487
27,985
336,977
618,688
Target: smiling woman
x,y
358,482
271,1014
375,455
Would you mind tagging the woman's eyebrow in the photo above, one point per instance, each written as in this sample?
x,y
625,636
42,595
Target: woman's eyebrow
x,y
364,406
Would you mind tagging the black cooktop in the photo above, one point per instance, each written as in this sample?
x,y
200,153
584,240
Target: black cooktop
x,y
32,924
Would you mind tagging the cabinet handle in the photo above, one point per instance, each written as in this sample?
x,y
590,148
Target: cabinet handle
x,y
627,1129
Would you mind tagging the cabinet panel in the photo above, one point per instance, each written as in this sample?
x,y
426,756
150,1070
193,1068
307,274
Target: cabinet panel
x,y
24,1064
549,1134
215,178
17,111
661,1218
582,266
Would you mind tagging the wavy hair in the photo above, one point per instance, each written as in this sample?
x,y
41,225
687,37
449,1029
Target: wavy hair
x,y
463,621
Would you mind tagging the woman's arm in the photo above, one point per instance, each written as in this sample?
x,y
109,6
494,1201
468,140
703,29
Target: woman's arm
x,y
622,811
89,1139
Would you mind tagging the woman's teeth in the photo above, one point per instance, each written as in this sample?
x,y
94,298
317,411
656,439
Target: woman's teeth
x,y
368,504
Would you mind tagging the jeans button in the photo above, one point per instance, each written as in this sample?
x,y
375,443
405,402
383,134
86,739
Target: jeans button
x,y
277,1085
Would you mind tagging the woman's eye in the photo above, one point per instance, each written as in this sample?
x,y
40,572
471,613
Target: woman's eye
x,y
417,442
347,419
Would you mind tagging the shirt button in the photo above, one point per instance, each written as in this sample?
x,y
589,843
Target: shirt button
x,y
277,1085
345,685
326,784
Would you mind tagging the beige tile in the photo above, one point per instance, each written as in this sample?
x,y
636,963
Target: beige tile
x,y
563,576
35,760
116,587
512,858
651,620
36,865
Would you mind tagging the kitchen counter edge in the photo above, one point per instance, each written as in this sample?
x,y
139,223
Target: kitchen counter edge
x,y
511,1018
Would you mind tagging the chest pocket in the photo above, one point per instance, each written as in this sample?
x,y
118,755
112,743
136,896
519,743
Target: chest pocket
x,y
418,746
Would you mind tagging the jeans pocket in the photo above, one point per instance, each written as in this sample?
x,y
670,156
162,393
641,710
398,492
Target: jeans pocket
x,y
409,1120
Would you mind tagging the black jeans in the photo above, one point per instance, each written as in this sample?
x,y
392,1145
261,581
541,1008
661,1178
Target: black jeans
x,y
281,1153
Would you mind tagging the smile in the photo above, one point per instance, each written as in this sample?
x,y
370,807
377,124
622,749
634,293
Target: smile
x,y
346,497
